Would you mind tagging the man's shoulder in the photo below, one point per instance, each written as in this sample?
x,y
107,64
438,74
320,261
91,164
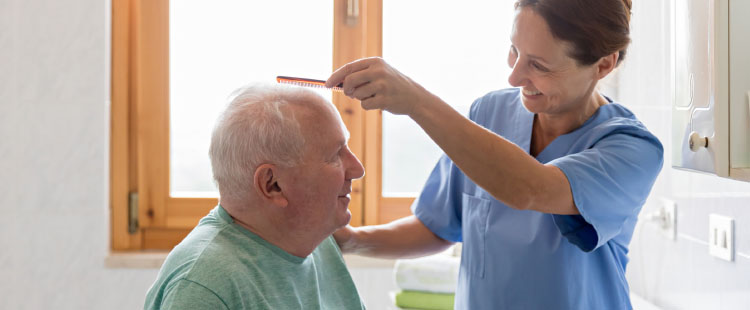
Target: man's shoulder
x,y
183,268
211,251
256,275
213,261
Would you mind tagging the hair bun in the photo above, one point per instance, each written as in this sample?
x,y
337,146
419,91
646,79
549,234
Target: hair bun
x,y
628,6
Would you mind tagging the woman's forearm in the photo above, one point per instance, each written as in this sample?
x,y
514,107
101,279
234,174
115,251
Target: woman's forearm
x,y
504,170
403,238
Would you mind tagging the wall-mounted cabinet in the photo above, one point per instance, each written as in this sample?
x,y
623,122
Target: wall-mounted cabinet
x,y
711,106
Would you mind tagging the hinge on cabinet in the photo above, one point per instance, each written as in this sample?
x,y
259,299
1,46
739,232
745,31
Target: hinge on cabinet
x,y
133,212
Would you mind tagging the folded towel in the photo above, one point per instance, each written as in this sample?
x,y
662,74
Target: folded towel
x,y
426,301
436,274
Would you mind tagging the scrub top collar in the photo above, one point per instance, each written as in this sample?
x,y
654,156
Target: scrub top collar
x,y
543,156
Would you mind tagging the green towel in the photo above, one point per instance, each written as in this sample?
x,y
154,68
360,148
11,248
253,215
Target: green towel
x,y
423,300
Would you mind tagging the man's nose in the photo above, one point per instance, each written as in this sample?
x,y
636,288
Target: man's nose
x,y
354,169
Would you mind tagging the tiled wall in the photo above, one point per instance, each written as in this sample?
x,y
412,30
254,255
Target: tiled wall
x,y
679,274
53,173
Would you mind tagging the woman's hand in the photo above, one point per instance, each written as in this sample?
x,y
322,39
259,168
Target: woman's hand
x,y
343,236
379,86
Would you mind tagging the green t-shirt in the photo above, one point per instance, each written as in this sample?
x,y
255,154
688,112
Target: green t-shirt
x,y
221,265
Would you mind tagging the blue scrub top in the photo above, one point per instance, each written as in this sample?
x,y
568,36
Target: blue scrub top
x,y
520,259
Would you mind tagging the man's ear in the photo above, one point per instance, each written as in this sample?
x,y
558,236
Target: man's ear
x,y
606,64
266,183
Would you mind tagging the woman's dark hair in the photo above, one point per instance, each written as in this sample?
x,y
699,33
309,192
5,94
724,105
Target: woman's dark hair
x,y
595,28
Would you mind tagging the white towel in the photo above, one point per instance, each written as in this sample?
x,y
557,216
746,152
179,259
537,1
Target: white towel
x,y
437,274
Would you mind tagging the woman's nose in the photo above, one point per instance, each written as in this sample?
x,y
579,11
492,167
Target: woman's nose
x,y
516,76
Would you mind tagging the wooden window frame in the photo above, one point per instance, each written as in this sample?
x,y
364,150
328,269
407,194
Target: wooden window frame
x,y
139,145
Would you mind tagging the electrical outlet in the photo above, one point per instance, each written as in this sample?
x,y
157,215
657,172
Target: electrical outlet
x,y
665,217
669,219
721,236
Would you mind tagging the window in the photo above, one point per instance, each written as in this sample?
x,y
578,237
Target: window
x,y
153,207
170,63
231,47
460,56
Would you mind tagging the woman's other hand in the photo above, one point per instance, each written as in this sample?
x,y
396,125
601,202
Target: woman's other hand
x,y
379,86
343,236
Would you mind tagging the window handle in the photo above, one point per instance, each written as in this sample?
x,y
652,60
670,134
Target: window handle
x,y
352,12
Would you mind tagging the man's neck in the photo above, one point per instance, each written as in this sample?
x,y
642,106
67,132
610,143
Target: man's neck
x,y
279,232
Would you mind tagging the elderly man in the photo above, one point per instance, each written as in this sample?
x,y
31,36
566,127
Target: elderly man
x,y
284,172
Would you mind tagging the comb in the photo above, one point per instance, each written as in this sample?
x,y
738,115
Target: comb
x,y
307,82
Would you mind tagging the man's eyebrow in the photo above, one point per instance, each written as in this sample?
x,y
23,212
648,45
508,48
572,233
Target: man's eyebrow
x,y
343,142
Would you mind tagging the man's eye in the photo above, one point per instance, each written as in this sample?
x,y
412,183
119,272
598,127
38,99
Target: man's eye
x,y
335,157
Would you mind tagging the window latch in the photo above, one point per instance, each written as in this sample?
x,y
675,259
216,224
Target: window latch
x,y
133,212
352,12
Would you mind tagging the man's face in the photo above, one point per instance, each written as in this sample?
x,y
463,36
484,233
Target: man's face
x,y
319,187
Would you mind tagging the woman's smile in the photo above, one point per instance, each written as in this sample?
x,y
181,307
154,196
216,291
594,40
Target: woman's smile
x,y
531,93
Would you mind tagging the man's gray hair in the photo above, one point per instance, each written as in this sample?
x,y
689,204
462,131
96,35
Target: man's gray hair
x,y
257,127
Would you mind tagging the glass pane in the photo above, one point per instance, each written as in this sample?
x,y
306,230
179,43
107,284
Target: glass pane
x,y
457,50
218,46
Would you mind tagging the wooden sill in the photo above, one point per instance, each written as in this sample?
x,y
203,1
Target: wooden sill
x,y
135,260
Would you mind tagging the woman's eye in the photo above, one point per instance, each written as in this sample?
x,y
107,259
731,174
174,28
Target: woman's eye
x,y
538,67
512,57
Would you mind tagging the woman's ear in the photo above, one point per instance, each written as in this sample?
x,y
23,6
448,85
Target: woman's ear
x,y
266,183
606,64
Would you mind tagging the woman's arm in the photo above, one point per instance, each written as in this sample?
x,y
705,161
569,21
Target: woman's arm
x,y
498,166
403,238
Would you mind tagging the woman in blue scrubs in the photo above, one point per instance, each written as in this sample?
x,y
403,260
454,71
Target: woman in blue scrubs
x,y
542,183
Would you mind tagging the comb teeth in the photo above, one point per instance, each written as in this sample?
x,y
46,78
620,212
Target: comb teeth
x,y
306,83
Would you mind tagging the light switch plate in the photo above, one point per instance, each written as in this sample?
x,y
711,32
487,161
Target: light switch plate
x,y
721,236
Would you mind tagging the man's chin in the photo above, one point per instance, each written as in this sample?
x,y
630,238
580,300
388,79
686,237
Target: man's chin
x,y
347,218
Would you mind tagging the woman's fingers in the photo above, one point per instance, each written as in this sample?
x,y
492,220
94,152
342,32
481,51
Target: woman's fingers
x,y
340,74
343,236
372,102
377,85
362,81
365,91
354,81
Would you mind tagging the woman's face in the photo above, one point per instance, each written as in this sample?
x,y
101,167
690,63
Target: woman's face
x,y
551,82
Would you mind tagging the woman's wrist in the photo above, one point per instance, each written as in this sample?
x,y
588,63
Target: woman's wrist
x,y
428,109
